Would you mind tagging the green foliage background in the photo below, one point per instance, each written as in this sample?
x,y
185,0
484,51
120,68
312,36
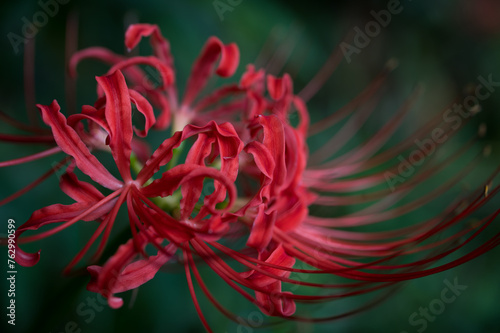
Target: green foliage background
x,y
436,43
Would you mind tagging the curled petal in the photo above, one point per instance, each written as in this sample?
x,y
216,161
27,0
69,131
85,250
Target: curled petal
x,y
78,190
293,209
161,46
96,116
279,87
162,102
161,156
27,259
274,139
169,181
229,59
262,229
256,105
166,72
100,53
301,107
252,79
201,150
184,173
105,56
265,163
119,118
54,214
71,144
277,257
146,109
274,303
294,155
217,96
263,158
229,146
120,274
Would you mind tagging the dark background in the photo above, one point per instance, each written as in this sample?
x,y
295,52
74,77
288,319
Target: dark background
x,y
442,45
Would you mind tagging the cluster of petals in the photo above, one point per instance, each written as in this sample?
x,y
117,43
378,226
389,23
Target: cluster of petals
x,y
237,166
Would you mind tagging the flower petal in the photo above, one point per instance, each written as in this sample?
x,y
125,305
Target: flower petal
x,y
279,87
146,109
229,146
119,274
277,257
78,190
166,73
274,139
274,304
105,56
71,144
119,118
201,72
184,173
262,229
54,214
161,46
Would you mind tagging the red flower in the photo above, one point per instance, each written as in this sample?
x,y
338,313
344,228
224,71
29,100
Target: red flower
x,y
213,140
245,138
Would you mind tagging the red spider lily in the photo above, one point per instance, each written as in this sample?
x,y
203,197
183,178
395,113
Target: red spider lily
x,y
93,205
245,138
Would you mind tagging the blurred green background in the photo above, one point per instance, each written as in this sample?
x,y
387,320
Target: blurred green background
x,y
440,44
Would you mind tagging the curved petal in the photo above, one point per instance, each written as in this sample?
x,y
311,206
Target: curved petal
x,y
78,190
262,229
118,114
71,144
229,58
160,45
105,56
184,173
277,257
274,139
279,88
54,214
120,274
146,109
166,73
229,146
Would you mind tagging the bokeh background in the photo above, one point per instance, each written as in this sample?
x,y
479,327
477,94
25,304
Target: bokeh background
x,y
442,45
